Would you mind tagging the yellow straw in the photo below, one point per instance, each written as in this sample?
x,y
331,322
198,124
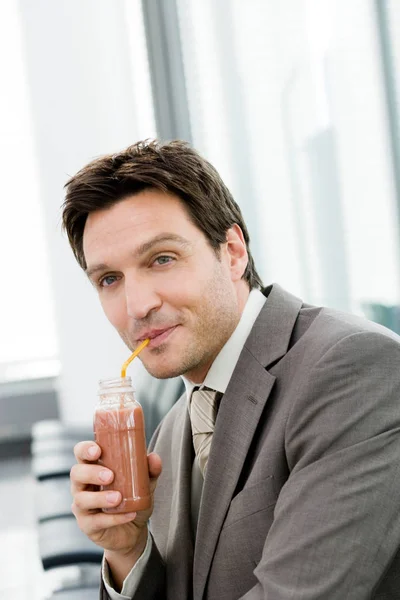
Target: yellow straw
x,y
130,359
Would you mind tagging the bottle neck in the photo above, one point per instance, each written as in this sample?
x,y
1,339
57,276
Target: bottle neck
x,y
116,393
116,385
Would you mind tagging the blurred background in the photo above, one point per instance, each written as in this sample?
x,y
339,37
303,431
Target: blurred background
x,y
297,104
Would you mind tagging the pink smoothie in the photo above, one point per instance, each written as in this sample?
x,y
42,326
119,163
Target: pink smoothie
x,y
121,437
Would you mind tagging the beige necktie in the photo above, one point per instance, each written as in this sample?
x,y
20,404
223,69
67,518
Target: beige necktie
x,y
203,412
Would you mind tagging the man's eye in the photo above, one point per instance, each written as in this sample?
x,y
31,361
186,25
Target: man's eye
x,y
163,260
107,280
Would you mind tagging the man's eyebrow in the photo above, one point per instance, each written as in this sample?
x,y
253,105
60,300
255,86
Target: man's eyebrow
x,y
96,268
142,249
161,237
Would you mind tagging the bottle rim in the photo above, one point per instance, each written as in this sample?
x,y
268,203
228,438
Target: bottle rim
x,y
115,384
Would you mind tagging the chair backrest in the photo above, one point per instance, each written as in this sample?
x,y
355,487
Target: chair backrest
x,y
61,542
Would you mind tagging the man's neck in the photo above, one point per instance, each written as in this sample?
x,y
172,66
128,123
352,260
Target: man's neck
x,y
220,371
243,292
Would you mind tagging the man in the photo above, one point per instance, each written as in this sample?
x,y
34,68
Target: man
x,y
277,475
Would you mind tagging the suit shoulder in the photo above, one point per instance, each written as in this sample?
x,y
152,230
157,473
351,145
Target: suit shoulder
x,y
320,331
174,412
168,422
334,325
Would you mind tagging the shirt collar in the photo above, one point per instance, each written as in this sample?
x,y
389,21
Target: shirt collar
x,y
224,364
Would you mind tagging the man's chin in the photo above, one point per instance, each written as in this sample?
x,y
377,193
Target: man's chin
x,y
166,371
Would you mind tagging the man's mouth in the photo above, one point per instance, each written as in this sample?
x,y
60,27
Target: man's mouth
x,y
156,336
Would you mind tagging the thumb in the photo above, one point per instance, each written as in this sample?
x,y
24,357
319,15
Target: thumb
x,y
155,465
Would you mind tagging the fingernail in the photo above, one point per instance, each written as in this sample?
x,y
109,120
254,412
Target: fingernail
x,y
131,516
92,451
112,497
105,475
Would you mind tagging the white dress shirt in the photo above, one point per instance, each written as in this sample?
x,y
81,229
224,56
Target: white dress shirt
x,y
216,379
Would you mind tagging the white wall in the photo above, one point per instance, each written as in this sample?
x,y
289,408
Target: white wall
x,y
84,91
26,309
309,151
286,99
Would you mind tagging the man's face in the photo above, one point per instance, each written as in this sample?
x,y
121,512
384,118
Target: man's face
x,y
158,277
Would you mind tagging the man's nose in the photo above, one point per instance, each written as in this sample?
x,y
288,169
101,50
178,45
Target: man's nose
x,y
141,299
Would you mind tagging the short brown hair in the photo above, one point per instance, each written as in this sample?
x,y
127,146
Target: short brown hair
x,y
172,167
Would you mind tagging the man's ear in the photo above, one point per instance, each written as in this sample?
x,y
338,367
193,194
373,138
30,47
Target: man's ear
x,y
237,252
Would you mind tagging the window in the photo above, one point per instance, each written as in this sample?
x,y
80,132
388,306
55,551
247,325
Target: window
x,y
287,99
28,346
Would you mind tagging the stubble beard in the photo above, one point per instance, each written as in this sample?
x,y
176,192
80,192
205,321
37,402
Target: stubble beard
x,y
215,322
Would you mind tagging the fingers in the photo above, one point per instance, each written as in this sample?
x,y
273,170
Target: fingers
x,y
88,501
155,466
83,475
92,523
87,510
87,451
95,525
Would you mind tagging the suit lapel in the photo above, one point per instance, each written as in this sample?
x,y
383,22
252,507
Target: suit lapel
x,y
180,538
239,414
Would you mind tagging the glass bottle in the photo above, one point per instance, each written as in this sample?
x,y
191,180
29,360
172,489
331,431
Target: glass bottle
x,y
119,431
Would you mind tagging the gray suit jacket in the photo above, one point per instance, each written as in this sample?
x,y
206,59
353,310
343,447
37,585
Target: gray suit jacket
x,y
302,494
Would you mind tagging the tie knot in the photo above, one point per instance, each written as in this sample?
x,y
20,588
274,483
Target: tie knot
x,y
203,410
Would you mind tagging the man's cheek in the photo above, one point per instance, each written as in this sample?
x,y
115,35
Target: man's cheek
x,y
115,313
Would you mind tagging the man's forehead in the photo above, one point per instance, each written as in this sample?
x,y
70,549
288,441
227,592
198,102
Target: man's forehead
x,y
135,224
148,208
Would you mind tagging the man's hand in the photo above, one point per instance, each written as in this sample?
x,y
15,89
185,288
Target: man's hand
x,y
122,535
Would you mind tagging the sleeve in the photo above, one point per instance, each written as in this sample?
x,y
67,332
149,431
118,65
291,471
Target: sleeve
x,y
336,525
146,583
149,586
132,579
